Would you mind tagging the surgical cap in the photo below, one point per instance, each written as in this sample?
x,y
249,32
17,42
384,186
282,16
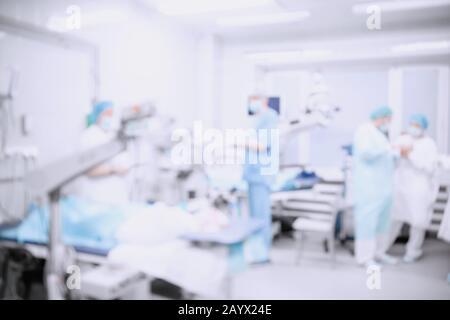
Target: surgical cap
x,y
97,110
420,119
381,112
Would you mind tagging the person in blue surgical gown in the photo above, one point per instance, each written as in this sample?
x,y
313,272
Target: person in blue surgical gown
x,y
373,173
260,176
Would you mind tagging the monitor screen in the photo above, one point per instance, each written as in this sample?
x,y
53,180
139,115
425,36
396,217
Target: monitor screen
x,y
273,102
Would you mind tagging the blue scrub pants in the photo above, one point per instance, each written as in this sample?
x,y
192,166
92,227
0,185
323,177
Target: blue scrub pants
x,y
260,208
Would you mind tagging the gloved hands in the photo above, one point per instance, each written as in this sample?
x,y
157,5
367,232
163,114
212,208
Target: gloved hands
x,y
405,151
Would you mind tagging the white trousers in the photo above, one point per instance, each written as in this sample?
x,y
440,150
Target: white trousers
x,y
367,250
415,241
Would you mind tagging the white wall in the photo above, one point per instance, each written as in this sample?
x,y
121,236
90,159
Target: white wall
x,y
238,81
52,90
420,87
209,55
148,59
423,89
357,88
357,92
142,57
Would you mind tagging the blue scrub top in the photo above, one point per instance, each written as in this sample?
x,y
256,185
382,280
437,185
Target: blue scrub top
x,y
373,173
267,119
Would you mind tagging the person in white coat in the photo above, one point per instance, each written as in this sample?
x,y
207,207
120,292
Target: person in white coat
x,y
415,186
444,230
106,183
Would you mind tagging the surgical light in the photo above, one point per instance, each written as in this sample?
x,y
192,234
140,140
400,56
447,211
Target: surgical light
x,y
403,5
289,56
263,19
187,7
421,46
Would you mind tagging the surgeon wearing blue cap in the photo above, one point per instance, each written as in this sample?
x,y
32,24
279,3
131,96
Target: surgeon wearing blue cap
x,y
105,183
259,176
373,173
102,115
415,185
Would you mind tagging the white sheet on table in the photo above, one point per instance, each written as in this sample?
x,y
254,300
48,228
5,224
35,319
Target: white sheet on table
x,y
156,224
193,269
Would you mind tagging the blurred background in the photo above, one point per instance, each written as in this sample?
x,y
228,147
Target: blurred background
x,y
321,66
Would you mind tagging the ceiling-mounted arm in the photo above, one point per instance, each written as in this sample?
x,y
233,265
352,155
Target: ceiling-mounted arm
x,y
42,182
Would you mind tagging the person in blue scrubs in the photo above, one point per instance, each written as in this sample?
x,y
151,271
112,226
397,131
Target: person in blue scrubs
x,y
259,178
373,175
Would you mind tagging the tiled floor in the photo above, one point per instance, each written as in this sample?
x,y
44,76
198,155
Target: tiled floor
x,y
315,278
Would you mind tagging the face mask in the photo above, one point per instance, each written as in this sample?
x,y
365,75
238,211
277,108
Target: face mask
x,y
384,128
415,132
255,106
106,124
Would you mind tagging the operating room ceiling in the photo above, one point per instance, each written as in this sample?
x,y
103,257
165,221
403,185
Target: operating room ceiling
x,y
326,18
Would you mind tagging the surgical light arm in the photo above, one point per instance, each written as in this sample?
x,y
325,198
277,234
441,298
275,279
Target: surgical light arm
x,y
43,182
53,177
308,122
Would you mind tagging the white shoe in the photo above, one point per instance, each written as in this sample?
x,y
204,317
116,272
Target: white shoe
x,y
411,258
387,259
371,264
